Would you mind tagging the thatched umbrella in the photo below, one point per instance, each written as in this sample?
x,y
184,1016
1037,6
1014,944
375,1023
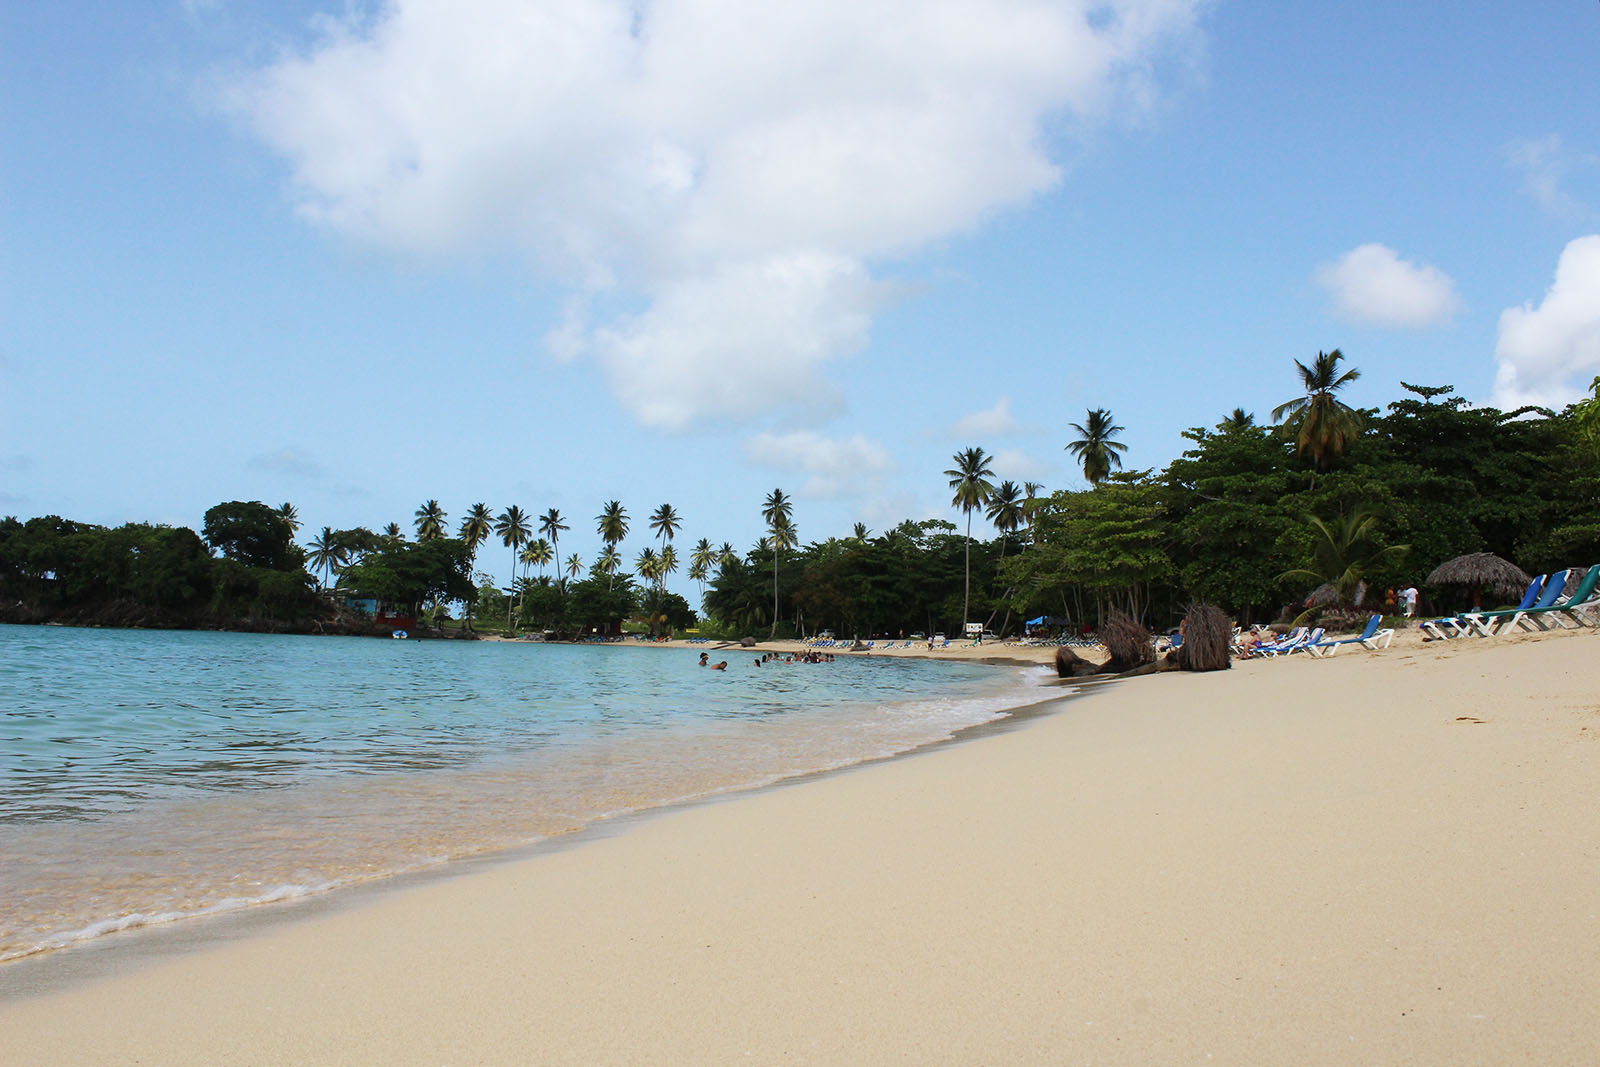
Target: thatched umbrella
x,y
1479,571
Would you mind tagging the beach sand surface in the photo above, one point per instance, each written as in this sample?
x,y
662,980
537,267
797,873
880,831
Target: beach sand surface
x,y
1367,858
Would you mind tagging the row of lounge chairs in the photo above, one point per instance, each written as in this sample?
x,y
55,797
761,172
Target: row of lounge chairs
x,y
1316,641
1545,605
829,642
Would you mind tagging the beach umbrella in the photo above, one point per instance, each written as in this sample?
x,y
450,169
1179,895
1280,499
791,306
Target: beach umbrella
x,y
1480,570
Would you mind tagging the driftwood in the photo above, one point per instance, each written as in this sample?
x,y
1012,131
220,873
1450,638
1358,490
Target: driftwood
x,y
1071,665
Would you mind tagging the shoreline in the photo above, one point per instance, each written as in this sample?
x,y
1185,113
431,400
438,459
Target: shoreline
x,y
1393,862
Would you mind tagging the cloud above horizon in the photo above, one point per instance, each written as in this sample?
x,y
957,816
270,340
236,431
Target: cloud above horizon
x,y
834,467
713,180
1371,285
996,421
1549,354
1543,163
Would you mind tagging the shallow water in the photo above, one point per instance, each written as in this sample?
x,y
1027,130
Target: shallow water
x,y
147,776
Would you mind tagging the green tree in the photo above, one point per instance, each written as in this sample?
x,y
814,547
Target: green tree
x,y
1346,548
778,511
1096,448
1320,422
701,561
538,553
290,516
430,521
253,534
970,480
512,528
551,526
327,555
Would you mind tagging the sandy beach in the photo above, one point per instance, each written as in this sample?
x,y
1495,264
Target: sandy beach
x,y
1389,857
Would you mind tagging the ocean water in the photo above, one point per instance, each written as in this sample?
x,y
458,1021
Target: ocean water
x,y
150,776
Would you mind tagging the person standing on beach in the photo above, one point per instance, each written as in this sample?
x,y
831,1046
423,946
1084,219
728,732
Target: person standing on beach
x,y
1409,595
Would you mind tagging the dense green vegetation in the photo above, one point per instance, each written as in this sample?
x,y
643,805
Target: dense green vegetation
x,y
1252,518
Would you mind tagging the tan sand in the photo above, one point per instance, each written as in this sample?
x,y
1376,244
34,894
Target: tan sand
x,y
1389,858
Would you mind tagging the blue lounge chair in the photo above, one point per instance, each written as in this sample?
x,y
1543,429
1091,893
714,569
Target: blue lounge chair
x,y
1367,639
1582,599
1483,622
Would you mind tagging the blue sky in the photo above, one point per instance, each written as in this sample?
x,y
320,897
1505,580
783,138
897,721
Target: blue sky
x,y
356,256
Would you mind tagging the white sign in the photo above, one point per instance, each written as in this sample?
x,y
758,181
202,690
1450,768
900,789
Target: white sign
x,y
974,628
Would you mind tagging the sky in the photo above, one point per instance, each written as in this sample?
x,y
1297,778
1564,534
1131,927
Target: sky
x,y
357,256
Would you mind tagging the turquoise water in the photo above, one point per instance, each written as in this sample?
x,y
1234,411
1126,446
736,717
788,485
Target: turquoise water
x,y
149,776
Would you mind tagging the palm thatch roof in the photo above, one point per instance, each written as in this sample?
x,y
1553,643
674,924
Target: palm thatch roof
x,y
1480,570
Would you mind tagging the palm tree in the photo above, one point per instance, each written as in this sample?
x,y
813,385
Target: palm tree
x,y
861,533
778,511
537,554
648,565
1238,421
701,560
574,566
1320,421
550,525
392,532
607,563
726,554
669,566
612,525
512,526
970,479
327,554
288,514
1030,506
1344,550
1005,510
1095,449
664,522
430,521
476,527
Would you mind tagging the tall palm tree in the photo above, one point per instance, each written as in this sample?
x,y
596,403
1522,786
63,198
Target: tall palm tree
x,y
327,554
648,565
1095,448
726,554
287,512
537,554
512,528
970,480
612,525
550,525
1321,423
574,566
430,521
476,527
392,532
669,566
1030,506
778,511
1005,510
664,522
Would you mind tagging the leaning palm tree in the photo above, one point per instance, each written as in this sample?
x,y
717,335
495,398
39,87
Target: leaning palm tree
x,y
476,527
1322,424
430,521
550,525
970,480
1095,448
778,510
287,512
664,522
327,554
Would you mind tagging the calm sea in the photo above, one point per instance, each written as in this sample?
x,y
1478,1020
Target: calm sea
x,y
148,776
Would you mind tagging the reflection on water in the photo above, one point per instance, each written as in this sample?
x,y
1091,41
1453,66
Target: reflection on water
x,y
148,775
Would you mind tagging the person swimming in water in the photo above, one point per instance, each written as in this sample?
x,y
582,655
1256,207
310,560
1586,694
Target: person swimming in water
x,y
720,666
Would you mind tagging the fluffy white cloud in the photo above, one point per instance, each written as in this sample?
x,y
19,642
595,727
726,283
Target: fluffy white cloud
x,y
732,167
1020,467
1372,285
1548,354
993,422
835,467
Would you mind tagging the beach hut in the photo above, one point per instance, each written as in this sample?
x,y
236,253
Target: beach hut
x,y
1478,571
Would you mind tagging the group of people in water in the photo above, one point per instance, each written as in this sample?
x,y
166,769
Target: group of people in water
x,y
772,657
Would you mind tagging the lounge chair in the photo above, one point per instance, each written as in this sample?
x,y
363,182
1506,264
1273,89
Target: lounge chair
x,y
1483,622
1367,639
1580,608
1581,600
1447,627
1288,643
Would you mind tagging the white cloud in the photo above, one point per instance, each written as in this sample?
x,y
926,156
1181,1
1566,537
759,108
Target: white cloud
x,y
727,170
1543,163
1372,285
1549,354
1020,467
991,423
835,467
287,460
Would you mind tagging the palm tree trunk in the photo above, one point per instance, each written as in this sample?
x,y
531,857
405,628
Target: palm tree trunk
x,y
774,632
966,596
